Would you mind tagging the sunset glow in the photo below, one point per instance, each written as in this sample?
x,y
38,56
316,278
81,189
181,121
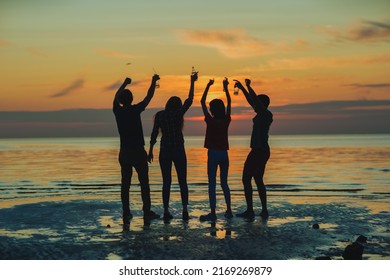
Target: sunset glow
x,y
68,55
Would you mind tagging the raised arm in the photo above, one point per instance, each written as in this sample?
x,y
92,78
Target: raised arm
x,y
188,102
194,78
246,94
257,104
228,99
116,102
151,90
204,96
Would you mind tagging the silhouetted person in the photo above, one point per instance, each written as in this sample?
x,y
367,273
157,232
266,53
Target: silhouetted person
x,y
257,158
354,251
132,152
217,143
170,122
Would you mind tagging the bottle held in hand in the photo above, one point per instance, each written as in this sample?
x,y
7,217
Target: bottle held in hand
x,y
236,89
157,82
194,72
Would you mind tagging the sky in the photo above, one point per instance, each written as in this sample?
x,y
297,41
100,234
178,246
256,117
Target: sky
x,y
68,55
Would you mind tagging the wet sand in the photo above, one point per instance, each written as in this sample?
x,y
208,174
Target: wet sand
x,y
93,230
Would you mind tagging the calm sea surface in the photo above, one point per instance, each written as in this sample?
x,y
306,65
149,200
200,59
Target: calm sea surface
x,y
302,169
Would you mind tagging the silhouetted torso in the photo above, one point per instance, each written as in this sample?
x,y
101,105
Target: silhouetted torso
x,y
217,133
129,125
261,125
171,123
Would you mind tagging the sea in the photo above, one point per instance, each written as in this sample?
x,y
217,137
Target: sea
x,y
339,182
301,168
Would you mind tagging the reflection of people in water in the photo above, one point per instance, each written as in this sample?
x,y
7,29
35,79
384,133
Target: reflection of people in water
x,y
216,141
170,122
132,152
221,233
260,151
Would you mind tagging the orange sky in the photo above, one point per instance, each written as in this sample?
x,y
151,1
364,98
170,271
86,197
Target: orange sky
x,y
64,55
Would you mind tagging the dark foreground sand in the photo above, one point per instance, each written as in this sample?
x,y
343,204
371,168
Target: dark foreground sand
x,y
92,229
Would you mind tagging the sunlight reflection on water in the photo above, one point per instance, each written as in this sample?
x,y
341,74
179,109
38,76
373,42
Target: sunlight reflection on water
x,y
331,167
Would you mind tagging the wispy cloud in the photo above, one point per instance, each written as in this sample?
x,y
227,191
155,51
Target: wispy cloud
x,y
384,85
325,107
343,116
114,54
69,89
233,43
34,51
363,31
113,86
303,63
238,43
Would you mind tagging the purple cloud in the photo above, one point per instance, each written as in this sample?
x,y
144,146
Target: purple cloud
x,y
363,31
384,85
69,89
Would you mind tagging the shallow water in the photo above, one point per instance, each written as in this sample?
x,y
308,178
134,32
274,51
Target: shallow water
x,y
301,167
59,199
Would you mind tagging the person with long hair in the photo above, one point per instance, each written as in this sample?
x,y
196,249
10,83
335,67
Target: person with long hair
x,y
170,122
217,143
257,158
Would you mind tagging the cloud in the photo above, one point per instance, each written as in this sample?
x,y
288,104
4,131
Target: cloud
x,y
303,63
363,31
233,43
326,107
33,51
237,43
344,116
69,89
109,53
113,86
384,85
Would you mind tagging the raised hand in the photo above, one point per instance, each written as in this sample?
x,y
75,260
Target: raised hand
x,y
155,78
225,82
238,84
194,77
127,81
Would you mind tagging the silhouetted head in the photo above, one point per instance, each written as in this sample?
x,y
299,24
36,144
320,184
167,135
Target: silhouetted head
x,y
361,239
217,108
126,97
263,98
173,103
